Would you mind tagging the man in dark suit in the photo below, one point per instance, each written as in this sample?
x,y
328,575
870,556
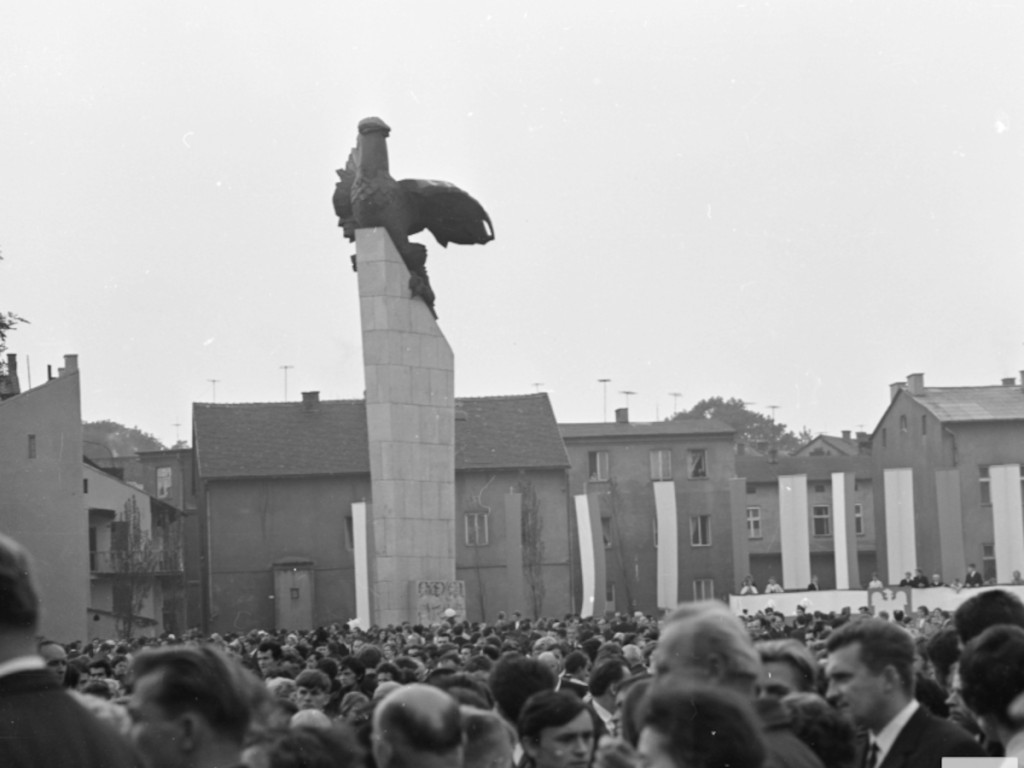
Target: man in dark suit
x,y
41,726
973,578
870,672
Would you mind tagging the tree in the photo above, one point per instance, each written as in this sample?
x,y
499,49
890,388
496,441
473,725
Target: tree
x,y
135,562
8,321
118,439
751,427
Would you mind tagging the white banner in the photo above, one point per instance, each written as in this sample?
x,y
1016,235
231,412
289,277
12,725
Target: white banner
x,y
587,565
901,539
361,556
839,539
794,532
1007,520
666,518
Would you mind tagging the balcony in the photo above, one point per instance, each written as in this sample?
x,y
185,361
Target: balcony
x,y
157,562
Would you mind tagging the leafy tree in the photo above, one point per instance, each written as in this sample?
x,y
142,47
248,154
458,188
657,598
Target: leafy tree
x,y
118,439
751,426
8,320
135,560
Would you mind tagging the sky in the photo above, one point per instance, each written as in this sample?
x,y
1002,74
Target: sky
x,y
794,203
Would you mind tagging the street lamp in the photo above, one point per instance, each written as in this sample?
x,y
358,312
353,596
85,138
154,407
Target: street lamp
x,y
604,383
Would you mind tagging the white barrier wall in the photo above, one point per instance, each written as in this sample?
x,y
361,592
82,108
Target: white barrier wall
x,y
1007,519
835,600
901,542
668,543
794,531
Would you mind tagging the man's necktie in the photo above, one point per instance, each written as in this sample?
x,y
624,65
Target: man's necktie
x,y
871,756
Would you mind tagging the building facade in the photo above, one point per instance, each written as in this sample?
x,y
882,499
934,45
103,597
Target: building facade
x,y
41,496
947,480
276,484
623,471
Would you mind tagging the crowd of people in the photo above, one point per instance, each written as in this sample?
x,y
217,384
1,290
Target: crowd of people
x,y
701,687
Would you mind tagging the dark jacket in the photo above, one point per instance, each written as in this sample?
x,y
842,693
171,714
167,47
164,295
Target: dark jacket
x,y
924,741
42,726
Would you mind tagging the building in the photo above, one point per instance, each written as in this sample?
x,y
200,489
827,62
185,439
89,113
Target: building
x,y
637,478
762,507
276,483
832,445
947,479
41,494
136,559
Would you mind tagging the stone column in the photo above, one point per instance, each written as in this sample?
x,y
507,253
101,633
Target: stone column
x,y
410,416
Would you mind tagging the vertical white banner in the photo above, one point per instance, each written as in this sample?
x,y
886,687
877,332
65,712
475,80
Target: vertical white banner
x,y
361,558
901,538
1007,520
839,538
794,531
587,566
668,543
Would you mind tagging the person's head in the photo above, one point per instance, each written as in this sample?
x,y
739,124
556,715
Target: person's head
x,y
313,746
605,677
514,679
788,666
312,689
556,730
268,656
943,650
706,642
552,660
490,740
628,699
189,705
350,672
577,664
55,656
417,725
992,676
19,599
981,611
820,726
870,671
690,725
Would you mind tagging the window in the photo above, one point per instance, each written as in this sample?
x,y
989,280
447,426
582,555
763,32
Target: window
x,y
350,534
819,488
697,463
597,465
477,531
163,482
700,531
754,523
858,519
606,531
903,424
821,517
85,485
703,589
751,488
31,446
983,485
609,593
661,465
988,561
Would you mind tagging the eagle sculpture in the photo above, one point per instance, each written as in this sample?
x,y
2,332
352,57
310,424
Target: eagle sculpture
x,y
368,196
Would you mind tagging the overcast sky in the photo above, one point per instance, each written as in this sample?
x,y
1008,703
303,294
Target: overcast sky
x,y
795,203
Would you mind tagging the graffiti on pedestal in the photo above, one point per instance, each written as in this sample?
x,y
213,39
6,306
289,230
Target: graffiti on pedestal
x,y
437,601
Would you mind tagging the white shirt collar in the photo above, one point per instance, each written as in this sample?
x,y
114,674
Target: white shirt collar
x,y
888,735
21,664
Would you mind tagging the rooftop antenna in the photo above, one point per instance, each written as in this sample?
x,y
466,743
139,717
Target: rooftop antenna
x,y
604,383
286,368
214,383
675,401
628,393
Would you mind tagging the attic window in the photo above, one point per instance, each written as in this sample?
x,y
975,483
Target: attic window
x,y
903,425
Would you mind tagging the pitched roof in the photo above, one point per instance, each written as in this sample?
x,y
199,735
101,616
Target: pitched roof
x,y
847,447
1002,403
614,430
330,438
757,469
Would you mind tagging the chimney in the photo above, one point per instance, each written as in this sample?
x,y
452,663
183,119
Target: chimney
x,y
915,383
622,415
894,389
310,400
773,455
1009,382
70,365
846,434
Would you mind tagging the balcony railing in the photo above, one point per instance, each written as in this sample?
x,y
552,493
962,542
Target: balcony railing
x,y
157,562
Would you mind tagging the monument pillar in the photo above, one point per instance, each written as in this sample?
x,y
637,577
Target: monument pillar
x,y
410,418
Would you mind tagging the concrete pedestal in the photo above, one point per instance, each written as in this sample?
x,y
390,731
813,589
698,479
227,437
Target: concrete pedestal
x,y
410,412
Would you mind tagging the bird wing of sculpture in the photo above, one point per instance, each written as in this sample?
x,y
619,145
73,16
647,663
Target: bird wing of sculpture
x,y
451,214
343,193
